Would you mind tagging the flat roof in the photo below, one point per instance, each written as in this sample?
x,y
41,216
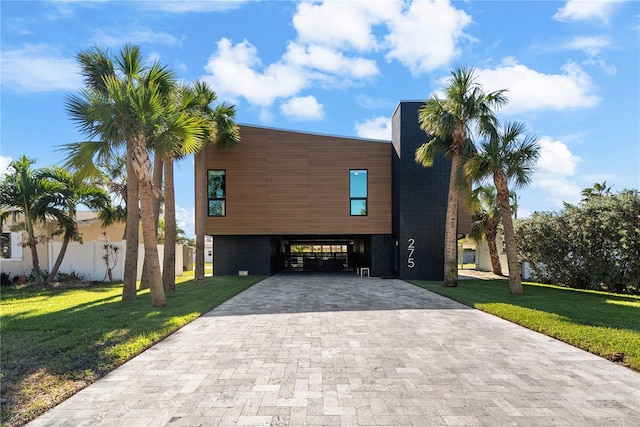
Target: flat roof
x,y
387,141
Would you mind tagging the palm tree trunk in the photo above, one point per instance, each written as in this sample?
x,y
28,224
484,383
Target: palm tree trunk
x,y
515,283
157,182
60,257
170,235
201,210
490,237
35,262
149,232
451,227
132,228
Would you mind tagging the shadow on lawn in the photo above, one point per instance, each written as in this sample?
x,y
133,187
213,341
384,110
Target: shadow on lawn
x,y
577,306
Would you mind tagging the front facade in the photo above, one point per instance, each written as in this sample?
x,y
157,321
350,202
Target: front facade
x,y
292,201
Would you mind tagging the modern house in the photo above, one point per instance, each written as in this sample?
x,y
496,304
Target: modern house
x,y
293,201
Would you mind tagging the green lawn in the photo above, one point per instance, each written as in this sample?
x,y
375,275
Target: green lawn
x,y
604,324
55,342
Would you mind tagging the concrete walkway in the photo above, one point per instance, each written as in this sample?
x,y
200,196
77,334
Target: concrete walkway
x,y
319,350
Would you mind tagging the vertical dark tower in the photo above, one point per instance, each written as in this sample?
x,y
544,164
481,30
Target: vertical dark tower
x,y
419,199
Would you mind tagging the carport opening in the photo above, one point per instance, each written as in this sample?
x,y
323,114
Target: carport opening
x,y
319,256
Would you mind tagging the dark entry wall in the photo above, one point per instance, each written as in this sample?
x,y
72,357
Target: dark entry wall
x,y
419,199
234,253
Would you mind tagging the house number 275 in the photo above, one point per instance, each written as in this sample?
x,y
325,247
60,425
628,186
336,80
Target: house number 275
x,y
411,247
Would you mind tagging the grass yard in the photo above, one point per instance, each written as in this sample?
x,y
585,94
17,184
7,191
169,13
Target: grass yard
x,y
604,324
55,341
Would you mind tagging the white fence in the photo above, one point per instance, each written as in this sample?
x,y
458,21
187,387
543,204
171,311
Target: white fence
x,y
87,260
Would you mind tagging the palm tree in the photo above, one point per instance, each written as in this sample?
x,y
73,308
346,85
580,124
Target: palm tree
x,y
466,110
25,196
95,65
598,190
508,156
113,177
168,148
222,131
134,107
67,191
486,219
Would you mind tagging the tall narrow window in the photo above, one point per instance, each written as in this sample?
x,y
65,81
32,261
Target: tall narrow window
x,y
217,193
358,192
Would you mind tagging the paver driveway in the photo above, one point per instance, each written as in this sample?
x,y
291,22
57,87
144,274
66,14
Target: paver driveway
x,y
343,350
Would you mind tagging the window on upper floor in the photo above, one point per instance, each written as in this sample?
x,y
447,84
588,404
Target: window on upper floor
x,y
358,194
217,193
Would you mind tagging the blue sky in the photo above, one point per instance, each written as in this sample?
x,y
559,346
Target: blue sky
x,y
572,69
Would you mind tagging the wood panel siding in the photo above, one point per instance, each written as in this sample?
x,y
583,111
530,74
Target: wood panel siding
x,y
282,182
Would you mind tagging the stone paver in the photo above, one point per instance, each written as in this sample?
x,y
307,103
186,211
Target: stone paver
x,y
320,350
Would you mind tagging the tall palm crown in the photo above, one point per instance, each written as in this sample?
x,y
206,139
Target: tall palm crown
x,y
511,152
451,122
465,110
509,157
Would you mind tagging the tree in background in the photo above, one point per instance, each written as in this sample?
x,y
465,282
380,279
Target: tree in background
x,y
66,192
485,221
594,244
450,122
26,198
598,190
509,157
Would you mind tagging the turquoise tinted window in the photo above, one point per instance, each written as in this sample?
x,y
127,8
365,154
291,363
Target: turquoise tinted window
x,y
358,207
216,192
358,191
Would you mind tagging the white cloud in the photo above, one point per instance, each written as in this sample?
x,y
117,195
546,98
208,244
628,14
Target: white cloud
x,y
531,90
376,128
524,212
303,108
341,24
186,219
231,72
38,68
193,6
582,10
555,169
136,36
330,61
332,40
424,37
590,45
4,165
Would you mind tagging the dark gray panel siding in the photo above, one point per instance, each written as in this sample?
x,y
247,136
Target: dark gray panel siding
x,y
383,248
420,200
234,253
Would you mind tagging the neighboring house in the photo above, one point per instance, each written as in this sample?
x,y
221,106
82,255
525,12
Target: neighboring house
x,y
286,201
208,249
483,260
86,259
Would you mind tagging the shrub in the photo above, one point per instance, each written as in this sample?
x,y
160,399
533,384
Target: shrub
x,y
592,245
